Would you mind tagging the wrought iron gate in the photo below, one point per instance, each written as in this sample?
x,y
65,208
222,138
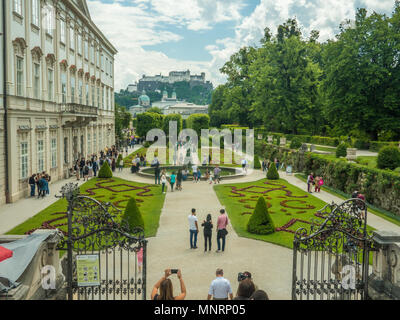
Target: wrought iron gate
x,y
331,260
102,254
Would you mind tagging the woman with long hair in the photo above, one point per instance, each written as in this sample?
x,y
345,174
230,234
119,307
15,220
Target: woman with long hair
x,y
166,288
207,232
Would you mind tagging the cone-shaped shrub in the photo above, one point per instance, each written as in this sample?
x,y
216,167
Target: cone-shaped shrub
x,y
119,158
272,173
132,215
260,221
105,171
257,164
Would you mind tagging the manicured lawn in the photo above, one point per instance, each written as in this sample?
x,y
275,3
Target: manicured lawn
x,y
290,208
117,191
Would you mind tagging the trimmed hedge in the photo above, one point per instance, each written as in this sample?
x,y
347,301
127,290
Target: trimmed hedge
x,y
272,173
378,145
147,121
388,158
132,215
105,171
341,150
198,121
260,221
172,117
295,143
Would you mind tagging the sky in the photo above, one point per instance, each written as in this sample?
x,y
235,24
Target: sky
x,y
158,36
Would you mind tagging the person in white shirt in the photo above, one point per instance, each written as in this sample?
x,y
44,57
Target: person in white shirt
x,y
163,181
220,287
194,167
244,165
193,229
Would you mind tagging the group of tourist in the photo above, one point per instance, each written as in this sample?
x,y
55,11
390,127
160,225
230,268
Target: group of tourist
x,y
88,167
316,182
207,225
138,161
220,288
267,163
39,181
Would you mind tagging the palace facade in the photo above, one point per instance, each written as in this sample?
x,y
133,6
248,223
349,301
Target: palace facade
x,y
57,70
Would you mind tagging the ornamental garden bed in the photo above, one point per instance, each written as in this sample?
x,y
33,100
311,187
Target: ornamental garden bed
x,y
289,207
117,191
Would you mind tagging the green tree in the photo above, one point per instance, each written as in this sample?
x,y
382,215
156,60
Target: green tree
x,y
362,68
132,215
155,110
272,173
147,121
198,121
122,120
105,171
260,221
172,117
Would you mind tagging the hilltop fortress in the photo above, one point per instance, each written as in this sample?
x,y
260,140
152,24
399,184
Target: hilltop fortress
x,y
153,83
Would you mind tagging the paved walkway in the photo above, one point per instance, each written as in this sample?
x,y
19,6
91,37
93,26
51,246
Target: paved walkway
x,y
372,220
271,265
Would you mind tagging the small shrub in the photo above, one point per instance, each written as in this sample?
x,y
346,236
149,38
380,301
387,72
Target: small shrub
x,y
388,158
295,143
272,173
260,221
341,150
132,216
397,170
146,144
105,171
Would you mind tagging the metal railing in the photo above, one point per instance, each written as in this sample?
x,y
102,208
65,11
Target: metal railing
x,y
76,108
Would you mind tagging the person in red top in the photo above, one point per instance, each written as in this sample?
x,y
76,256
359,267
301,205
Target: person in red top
x,y
221,229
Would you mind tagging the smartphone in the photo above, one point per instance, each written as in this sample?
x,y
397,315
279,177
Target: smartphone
x,y
174,271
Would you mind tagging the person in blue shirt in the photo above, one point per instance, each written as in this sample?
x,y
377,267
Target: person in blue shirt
x,y
172,181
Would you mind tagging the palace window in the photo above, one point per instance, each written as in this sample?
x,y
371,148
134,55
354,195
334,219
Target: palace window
x,y
49,20
35,12
36,80
89,145
40,155
18,6
92,54
24,160
87,94
98,97
72,89
50,84
79,44
65,150
62,31
93,96
94,142
64,87
80,91
98,58
20,76
53,151
86,50
72,38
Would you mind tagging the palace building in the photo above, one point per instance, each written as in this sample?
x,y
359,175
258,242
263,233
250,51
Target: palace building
x,y
56,88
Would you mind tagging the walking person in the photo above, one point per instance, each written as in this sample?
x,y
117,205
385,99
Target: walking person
x,y
217,171
172,180
193,229
32,184
156,165
194,168
221,230
207,225
179,178
120,164
220,287
163,181
310,182
48,179
95,166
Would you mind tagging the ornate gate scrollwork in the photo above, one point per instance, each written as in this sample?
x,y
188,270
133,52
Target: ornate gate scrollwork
x,y
331,260
96,229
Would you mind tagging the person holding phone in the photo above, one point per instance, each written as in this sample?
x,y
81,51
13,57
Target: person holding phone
x,y
166,288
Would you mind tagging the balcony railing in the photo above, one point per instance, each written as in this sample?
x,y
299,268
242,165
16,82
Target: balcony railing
x,y
76,108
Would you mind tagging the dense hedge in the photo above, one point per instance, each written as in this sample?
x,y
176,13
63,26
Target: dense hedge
x,y
257,164
388,158
363,144
341,150
380,187
172,117
147,121
197,122
272,173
